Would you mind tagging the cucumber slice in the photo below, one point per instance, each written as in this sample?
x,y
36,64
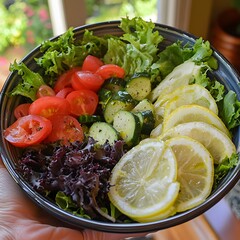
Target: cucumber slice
x,y
114,84
119,101
144,105
139,87
89,118
147,121
104,96
129,127
102,131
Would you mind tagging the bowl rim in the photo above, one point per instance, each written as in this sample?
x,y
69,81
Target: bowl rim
x,y
79,222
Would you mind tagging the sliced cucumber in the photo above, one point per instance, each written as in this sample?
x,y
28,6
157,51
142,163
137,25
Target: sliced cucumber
x,y
89,118
102,131
120,101
139,87
147,121
114,84
104,96
129,127
144,105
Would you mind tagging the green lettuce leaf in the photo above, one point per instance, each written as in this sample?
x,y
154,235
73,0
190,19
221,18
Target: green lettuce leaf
x,y
30,81
175,54
65,52
137,49
230,110
65,202
221,170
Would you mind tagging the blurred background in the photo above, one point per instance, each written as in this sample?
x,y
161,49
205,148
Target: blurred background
x,y
26,23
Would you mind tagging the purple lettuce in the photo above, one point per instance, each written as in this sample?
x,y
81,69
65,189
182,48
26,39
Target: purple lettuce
x,y
80,171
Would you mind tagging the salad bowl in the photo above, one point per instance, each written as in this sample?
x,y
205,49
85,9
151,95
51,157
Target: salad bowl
x,y
225,73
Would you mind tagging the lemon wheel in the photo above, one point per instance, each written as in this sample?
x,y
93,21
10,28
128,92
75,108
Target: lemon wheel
x,y
192,113
195,172
218,143
143,183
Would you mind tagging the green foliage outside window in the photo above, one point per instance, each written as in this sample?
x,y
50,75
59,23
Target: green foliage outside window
x,y
24,23
104,10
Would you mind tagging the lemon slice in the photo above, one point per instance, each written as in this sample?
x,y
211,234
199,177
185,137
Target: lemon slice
x,y
181,75
161,215
143,183
217,142
190,94
195,172
192,113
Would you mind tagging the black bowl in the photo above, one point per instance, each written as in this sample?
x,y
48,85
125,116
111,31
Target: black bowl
x,y
226,74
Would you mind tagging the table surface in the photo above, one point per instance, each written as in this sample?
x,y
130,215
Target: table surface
x,y
218,223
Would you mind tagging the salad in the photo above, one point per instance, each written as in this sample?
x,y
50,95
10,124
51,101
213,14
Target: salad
x,y
92,101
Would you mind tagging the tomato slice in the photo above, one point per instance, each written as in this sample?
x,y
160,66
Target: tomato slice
x,y
64,80
86,80
44,91
82,102
21,110
64,92
65,129
28,130
91,63
110,70
49,106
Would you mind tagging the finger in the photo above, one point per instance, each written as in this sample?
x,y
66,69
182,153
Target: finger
x,y
28,230
95,235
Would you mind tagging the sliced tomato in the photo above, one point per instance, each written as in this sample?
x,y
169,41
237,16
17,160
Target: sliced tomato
x,y
64,80
65,129
49,106
44,91
64,92
21,110
91,63
82,102
110,70
86,80
28,130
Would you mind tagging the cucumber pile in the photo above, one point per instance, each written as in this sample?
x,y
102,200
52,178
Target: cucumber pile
x,y
128,114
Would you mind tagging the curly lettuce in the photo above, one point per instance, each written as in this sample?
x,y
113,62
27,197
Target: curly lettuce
x,y
230,110
29,81
65,52
136,51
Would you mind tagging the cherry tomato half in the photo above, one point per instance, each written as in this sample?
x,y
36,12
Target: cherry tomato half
x,y
49,106
21,110
28,130
64,80
64,92
82,102
110,70
65,129
91,63
44,91
86,80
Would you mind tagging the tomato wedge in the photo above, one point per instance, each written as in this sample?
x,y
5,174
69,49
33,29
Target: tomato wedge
x,y
86,80
44,91
28,130
21,110
64,92
65,129
91,63
82,102
110,70
64,80
49,106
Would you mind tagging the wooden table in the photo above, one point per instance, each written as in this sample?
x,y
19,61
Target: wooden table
x,y
218,223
